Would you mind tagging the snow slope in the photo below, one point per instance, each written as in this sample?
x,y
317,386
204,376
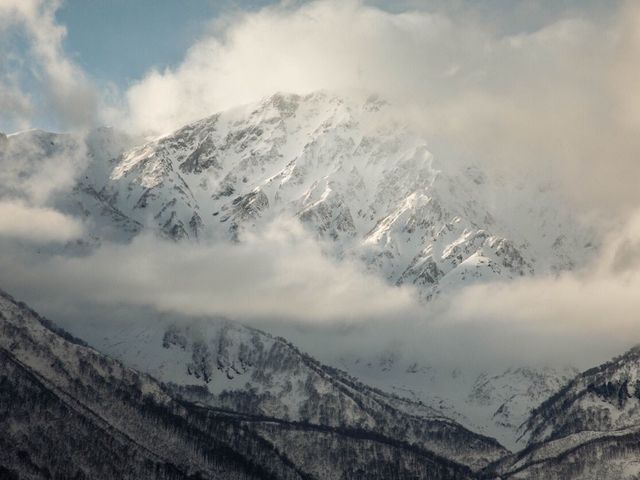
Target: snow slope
x,y
590,429
359,180
494,403
227,365
68,411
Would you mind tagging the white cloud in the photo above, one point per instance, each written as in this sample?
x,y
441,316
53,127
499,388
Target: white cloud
x,y
15,104
35,165
36,224
559,99
69,95
280,279
279,274
579,317
318,45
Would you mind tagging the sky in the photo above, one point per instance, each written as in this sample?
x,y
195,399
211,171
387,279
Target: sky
x,y
118,41
544,86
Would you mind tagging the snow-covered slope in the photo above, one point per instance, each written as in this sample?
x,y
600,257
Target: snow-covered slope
x,y
67,411
227,365
494,403
590,429
238,367
356,178
516,392
603,398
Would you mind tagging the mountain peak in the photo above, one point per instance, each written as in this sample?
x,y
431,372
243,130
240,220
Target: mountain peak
x,y
350,173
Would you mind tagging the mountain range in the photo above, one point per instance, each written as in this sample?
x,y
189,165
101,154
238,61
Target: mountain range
x,y
366,185
213,398
69,411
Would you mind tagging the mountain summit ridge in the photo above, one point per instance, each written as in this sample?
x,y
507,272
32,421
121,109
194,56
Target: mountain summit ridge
x,y
358,179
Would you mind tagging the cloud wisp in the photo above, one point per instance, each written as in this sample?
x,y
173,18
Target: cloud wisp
x,y
279,279
68,95
279,274
37,224
33,169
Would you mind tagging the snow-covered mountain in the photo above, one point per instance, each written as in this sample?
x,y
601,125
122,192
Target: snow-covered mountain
x,y
369,189
590,429
603,398
239,367
227,365
495,403
357,179
67,411
364,183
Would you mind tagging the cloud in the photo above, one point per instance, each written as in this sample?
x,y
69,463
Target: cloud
x,y
557,101
34,168
279,279
69,96
15,104
278,274
316,45
36,165
36,224
579,318
583,317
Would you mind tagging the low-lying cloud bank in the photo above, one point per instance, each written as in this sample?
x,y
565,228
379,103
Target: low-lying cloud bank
x,y
279,279
279,274
593,312
37,224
